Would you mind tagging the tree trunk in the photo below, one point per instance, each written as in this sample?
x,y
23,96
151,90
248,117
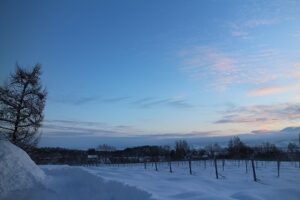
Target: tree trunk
x,y
16,125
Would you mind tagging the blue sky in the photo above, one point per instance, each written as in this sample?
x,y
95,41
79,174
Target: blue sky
x,y
124,68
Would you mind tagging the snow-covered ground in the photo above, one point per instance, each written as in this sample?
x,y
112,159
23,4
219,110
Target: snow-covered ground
x,y
234,182
21,179
73,183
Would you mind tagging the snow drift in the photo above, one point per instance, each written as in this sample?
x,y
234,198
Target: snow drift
x,y
22,179
17,170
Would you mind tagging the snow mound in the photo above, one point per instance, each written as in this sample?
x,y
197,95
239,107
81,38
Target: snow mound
x,y
74,183
17,170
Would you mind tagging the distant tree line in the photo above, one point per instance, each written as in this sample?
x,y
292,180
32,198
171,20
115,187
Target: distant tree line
x,y
236,149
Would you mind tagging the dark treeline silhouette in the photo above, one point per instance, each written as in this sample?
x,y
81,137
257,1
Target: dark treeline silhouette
x,y
48,155
106,154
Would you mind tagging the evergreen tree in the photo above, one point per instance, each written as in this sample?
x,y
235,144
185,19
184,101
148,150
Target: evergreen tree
x,y
22,101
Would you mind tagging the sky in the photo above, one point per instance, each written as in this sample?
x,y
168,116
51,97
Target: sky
x,y
158,68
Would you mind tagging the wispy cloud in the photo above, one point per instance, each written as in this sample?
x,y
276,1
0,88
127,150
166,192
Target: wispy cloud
x,y
264,91
175,102
296,34
76,100
72,100
74,123
74,128
239,33
224,68
242,28
83,128
147,102
262,113
206,62
292,85
115,99
295,71
253,23
193,134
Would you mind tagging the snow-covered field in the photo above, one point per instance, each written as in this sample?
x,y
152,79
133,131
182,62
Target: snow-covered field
x,y
20,179
234,182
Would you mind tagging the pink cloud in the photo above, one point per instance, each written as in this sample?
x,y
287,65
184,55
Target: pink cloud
x,y
268,91
225,68
263,116
272,90
221,62
205,62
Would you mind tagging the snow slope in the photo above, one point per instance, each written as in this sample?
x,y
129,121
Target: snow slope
x,y
17,170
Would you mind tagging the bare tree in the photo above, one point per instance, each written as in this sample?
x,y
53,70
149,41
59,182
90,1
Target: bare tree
x,y
105,147
22,101
181,149
212,149
106,151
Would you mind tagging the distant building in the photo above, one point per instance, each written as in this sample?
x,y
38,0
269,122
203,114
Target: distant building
x,y
92,157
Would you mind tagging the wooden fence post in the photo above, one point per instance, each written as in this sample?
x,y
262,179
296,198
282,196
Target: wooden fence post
x,y
170,165
216,167
278,168
190,166
223,164
256,164
253,169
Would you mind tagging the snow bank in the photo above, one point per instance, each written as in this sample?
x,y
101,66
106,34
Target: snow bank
x,y
17,170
